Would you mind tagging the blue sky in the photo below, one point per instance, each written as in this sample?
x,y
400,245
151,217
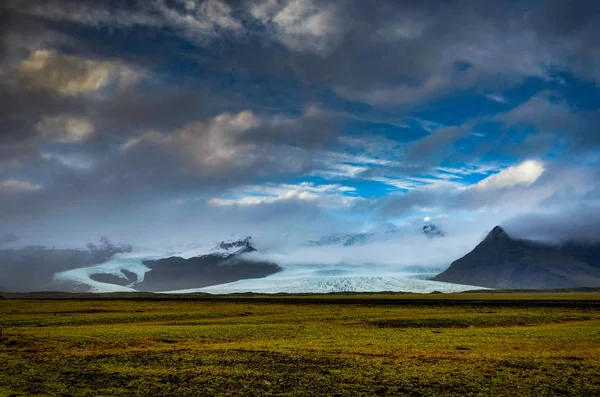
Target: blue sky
x,y
250,116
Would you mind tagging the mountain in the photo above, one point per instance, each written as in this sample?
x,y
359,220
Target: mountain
x,y
346,240
501,261
351,239
432,231
224,263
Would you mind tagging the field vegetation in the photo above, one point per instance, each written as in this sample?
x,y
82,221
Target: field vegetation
x,y
480,344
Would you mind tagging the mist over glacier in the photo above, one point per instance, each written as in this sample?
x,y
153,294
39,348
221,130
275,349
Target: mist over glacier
x,y
398,260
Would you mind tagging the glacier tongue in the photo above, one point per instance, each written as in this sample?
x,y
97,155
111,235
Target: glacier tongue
x,y
326,284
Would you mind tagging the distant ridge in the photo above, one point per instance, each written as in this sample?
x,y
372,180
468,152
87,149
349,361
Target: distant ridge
x,y
501,261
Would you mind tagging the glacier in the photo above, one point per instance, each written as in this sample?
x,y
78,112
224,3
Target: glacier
x,y
130,261
295,277
333,284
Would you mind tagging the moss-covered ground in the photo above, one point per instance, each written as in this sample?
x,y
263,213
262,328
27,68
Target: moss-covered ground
x,y
368,345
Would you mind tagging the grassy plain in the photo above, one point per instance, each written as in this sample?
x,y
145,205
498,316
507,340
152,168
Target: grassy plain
x,y
480,344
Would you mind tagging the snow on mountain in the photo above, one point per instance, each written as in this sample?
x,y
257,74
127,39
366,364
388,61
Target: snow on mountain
x,y
432,231
346,240
225,249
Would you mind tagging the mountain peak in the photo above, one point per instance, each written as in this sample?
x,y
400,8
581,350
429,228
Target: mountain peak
x,y
430,230
497,233
233,247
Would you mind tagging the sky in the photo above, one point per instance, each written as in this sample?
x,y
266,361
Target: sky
x,y
179,121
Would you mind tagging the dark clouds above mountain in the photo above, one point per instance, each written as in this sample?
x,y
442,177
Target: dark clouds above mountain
x,y
347,111
570,223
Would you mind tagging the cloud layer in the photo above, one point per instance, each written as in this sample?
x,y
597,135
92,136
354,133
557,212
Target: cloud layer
x,y
296,117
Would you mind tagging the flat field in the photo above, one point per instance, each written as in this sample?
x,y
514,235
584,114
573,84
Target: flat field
x,y
480,344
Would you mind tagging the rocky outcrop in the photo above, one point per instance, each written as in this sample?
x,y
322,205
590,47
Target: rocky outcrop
x,y
127,278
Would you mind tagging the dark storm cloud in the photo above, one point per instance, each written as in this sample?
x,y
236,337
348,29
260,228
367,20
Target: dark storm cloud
x,y
553,119
202,158
396,51
580,222
575,24
21,113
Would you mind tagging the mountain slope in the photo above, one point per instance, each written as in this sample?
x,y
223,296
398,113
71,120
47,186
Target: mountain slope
x,y
500,261
223,264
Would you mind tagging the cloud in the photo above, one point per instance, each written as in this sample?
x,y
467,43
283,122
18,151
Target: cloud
x,y
326,195
554,119
575,222
208,157
200,21
12,186
72,75
242,140
120,105
95,14
438,140
389,254
65,129
496,98
359,50
544,114
518,188
524,173
301,25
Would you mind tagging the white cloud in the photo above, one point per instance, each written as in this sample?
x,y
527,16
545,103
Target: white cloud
x,y
72,161
302,25
341,170
496,98
13,186
524,173
150,136
328,195
200,21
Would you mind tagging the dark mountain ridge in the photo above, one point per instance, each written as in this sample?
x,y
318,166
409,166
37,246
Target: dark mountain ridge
x,y
223,264
501,261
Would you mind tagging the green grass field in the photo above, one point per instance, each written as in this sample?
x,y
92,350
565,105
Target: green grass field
x,y
480,344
